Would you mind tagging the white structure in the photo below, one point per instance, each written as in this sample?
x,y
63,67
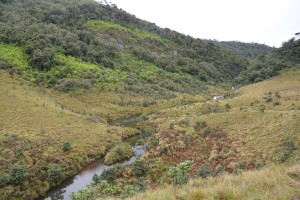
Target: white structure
x,y
219,97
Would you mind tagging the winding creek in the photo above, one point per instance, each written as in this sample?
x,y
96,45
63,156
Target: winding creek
x,y
84,177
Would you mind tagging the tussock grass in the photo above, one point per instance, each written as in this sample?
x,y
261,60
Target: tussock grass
x,y
275,182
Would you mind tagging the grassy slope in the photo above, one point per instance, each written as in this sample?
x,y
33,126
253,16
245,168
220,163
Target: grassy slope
x,y
270,183
250,129
253,136
33,121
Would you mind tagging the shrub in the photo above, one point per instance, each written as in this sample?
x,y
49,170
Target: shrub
x,y
154,141
145,116
108,175
289,147
66,146
3,64
277,95
262,109
140,168
118,153
204,171
171,125
179,172
140,142
200,124
55,173
207,131
268,99
228,106
276,103
17,174
4,179
147,131
164,150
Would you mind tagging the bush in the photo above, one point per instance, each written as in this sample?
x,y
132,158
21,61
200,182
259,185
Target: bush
x,y
227,106
204,171
55,173
17,174
154,141
200,124
145,116
268,99
140,168
108,175
66,146
164,150
289,147
118,153
179,172
3,64
276,103
4,179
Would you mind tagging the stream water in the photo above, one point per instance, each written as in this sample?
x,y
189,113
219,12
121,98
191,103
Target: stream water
x,y
84,177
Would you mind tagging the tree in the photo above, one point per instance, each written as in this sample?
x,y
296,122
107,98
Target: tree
x,y
17,174
66,146
140,168
55,173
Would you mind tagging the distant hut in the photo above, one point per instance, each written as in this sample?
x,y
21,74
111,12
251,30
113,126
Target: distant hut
x,y
222,96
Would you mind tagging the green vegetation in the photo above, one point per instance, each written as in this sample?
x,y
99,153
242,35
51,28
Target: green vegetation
x,y
118,153
55,173
67,71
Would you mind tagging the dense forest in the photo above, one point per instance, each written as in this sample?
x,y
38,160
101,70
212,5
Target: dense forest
x,y
69,67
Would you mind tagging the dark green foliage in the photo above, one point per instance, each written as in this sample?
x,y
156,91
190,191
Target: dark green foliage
x,y
205,171
55,173
140,168
259,165
4,179
289,147
66,146
19,153
239,169
164,150
108,175
266,66
154,141
140,185
276,103
228,106
200,124
251,50
147,131
219,170
71,28
17,174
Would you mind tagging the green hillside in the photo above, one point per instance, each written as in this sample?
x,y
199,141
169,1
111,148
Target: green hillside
x,y
249,50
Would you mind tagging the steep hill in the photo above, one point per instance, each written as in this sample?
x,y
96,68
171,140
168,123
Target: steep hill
x,y
249,50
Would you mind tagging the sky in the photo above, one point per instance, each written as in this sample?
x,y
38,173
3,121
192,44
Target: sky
x,y
269,22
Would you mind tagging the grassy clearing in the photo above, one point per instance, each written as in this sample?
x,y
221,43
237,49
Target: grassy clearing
x,y
33,129
270,183
247,126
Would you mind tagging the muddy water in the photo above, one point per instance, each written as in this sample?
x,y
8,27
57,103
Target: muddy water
x,y
84,177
